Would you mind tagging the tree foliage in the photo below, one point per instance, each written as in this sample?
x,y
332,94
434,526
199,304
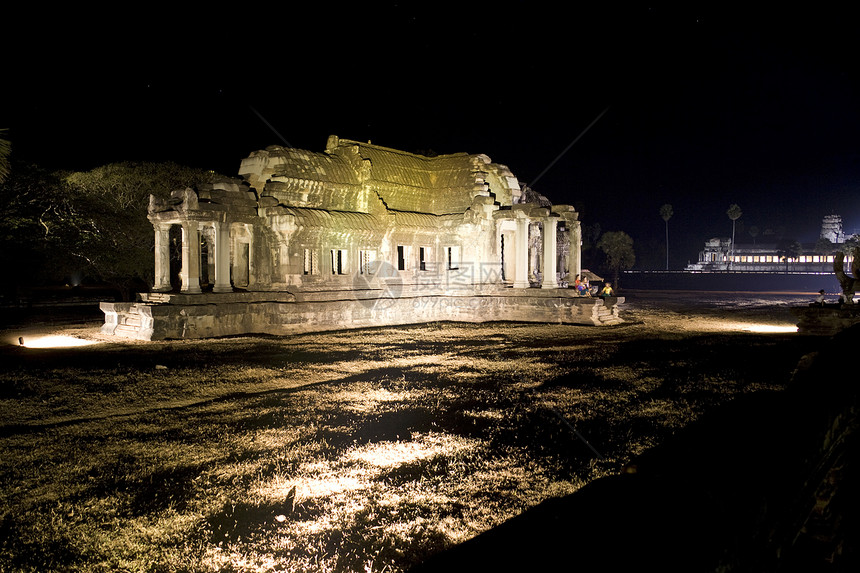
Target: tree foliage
x,y
734,212
106,212
89,225
618,248
753,232
824,246
590,235
789,250
27,211
666,212
5,155
851,243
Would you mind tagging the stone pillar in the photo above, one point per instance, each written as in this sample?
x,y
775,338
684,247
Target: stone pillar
x,y
190,273
521,267
574,235
222,258
162,258
550,227
574,253
535,240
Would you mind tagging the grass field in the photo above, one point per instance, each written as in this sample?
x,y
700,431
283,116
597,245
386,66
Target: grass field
x,y
363,450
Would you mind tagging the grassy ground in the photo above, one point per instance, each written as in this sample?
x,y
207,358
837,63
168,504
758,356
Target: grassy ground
x,y
349,451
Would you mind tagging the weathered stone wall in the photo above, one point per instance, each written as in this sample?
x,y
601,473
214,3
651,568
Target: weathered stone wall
x,y
176,316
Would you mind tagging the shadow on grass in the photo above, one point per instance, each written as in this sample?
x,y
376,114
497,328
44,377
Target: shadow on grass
x,y
41,549
139,490
236,521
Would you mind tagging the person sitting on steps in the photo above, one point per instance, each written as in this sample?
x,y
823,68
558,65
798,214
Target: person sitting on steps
x,y
607,291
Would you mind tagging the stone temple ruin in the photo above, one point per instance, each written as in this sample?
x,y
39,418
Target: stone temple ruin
x,y
356,236
830,318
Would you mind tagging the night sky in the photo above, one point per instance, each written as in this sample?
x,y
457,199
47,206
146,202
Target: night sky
x,y
701,107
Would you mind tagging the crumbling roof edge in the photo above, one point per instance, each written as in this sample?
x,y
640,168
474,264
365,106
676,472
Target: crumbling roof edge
x,y
347,142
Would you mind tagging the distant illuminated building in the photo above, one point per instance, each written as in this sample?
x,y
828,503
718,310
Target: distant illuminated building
x,y
718,255
831,229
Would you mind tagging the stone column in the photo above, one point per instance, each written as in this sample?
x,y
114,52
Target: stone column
x,y
190,273
535,240
222,258
574,252
521,267
574,235
550,226
162,258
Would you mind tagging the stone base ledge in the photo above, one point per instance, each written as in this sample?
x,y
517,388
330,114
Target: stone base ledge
x,y
160,316
826,320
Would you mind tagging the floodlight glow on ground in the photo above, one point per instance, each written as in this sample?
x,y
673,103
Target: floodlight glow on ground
x,y
54,341
767,328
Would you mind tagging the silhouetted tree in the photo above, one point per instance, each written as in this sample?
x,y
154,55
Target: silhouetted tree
x,y
28,204
851,243
666,213
795,249
788,250
5,155
734,214
753,232
106,218
618,248
824,246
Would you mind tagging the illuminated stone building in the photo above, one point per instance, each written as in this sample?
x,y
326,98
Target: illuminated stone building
x,y
718,255
358,235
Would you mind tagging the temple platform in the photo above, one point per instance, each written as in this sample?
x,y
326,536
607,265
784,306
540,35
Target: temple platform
x,y
163,316
826,320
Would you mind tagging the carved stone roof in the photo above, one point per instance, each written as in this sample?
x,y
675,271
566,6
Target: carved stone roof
x,y
321,218
407,182
404,181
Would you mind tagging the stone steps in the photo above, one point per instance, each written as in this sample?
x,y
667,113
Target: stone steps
x,y
122,319
132,319
127,331
158,297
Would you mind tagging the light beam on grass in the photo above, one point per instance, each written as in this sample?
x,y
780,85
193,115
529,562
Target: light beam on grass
x,y
393,454
765,328
54,341
733,326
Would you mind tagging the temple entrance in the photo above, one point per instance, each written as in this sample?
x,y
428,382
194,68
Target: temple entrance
x,y
207,257
507,251
241,256
175,238
502,254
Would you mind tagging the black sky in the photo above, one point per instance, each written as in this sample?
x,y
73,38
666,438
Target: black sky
x,y
707,105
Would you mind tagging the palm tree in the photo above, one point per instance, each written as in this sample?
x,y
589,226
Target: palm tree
x,y
666,213
753,231
734,214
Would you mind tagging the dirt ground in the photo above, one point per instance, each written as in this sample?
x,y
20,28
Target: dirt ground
x,y
356,450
